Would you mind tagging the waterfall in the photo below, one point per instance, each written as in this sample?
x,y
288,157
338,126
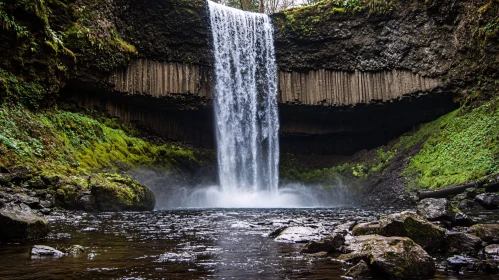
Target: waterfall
x,y
245,100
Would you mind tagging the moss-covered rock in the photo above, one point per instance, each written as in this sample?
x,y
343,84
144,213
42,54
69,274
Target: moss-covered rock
x,y
406,224
390,257
18,222
113,192
487,232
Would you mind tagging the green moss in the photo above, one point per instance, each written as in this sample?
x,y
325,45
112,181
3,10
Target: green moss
x,y
460,146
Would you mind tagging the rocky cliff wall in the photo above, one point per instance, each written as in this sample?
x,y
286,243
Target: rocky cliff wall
x,y
342,71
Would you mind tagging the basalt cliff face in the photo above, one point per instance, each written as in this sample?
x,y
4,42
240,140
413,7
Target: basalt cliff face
x,y
348,80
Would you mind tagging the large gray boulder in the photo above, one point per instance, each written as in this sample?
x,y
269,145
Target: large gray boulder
x,y
18,222
389,257
406,224
435,209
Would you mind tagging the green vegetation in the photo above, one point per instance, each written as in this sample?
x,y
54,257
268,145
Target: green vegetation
x,y
461,146
74,144
303,20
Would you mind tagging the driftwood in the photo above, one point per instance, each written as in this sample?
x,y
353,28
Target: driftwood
x,y
491,184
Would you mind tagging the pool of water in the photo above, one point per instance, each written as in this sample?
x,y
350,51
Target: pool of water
x,y
184,244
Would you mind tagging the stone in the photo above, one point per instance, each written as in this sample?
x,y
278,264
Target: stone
x,y
460,242
344,228
36,183
458,263
46,204
390,257
18,222
74,250
492,249
461,219
329,244
488,200
277,231
359,271
50,180
435,209
487,232
366,228
38,251
298,235
406,224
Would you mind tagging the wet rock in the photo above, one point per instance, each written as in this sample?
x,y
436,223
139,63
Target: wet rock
x,y
458,263
74,250
86,201
18,222
120,193
461,219
468,204
492,249
390,257
435,209
344,228
460,242
298,235
487,232
329,244
277,231
5,178
46,204
366,228
359,271
36,183
45,251
50,180
488,200
406,224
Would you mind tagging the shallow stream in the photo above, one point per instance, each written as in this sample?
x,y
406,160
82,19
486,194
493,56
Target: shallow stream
x,y
185,244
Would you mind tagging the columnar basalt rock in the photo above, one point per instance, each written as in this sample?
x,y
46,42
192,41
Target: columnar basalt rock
x,y
160,79
333,88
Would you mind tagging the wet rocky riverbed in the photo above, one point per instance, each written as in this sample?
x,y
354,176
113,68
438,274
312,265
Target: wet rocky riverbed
x,y
188,244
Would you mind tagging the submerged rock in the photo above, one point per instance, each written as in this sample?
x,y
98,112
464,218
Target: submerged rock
x,y
45,251
389,257
487,232
19,222
406,224
74,250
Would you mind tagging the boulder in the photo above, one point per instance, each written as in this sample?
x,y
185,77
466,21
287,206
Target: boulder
x,y
389,257
19,222
298,235
406,224
460,242
40,251
492,250
461,219
435,209
488,200
359,271
329,244
36,183
487,232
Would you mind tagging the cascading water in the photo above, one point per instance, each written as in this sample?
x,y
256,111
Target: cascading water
x,y
247,122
